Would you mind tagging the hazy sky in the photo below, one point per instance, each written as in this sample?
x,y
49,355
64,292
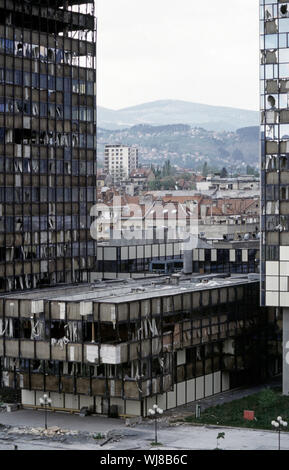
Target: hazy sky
x,y
203,51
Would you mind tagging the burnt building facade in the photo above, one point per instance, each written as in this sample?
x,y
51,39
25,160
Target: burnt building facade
x,y
47,142
121,346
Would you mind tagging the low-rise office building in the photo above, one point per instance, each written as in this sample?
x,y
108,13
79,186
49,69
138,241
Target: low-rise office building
x,y
119,347
132,259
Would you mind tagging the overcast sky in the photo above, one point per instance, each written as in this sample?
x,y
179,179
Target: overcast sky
x,y
203,51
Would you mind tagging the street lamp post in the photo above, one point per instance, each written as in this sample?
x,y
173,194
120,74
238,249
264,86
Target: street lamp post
x,y
45,401
277,425
154,413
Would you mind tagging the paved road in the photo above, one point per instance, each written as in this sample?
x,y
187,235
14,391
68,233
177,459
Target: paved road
x,y
64,420
42,445
173,438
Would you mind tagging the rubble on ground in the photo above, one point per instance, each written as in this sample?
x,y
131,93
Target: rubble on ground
x,y
50,431
59,434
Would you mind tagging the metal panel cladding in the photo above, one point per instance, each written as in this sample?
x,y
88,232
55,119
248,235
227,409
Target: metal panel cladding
x,y
47,142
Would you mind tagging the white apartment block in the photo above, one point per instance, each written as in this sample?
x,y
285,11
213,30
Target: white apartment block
x,y
120,160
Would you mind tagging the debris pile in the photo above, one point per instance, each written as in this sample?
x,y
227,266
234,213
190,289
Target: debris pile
x,y
2,407
49,432
112,436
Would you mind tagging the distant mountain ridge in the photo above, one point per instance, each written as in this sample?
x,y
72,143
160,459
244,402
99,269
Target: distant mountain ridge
x,y
167,112
185,146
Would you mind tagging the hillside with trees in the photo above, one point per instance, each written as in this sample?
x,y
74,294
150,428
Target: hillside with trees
x,y
188,147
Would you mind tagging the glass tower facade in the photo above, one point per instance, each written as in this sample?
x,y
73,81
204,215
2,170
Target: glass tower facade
x,y
47,142
274,75
274,33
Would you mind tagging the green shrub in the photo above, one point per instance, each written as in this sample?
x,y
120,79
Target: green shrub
x,y
267,398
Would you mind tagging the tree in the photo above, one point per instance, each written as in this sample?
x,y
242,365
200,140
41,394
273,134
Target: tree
x,y
168,183
185,176
221,435
157,171
205,170
251,171
224,173
167,169
155,185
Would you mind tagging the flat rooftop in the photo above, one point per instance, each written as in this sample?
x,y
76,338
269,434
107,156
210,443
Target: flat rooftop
x,y
133,290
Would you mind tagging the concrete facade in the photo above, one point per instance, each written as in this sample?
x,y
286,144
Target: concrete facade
x,y
119,161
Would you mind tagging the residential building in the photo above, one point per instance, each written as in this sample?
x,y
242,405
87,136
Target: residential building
x,y
229,215
141,177
119,161
243,183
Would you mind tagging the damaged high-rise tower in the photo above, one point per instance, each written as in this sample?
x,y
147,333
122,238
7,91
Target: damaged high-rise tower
x,y
47,142
274,74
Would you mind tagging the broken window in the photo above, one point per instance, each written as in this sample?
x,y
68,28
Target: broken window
x,y
51,111
73,331
272,117
272,207
18,48
9,137
51,55
269,57
26,329
59,111
42,53
35,51
75,86
284,162
284,11
19,224
284,192
58,329
74,140
272,99
37,329
67,57
67,168
272,132
18,165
